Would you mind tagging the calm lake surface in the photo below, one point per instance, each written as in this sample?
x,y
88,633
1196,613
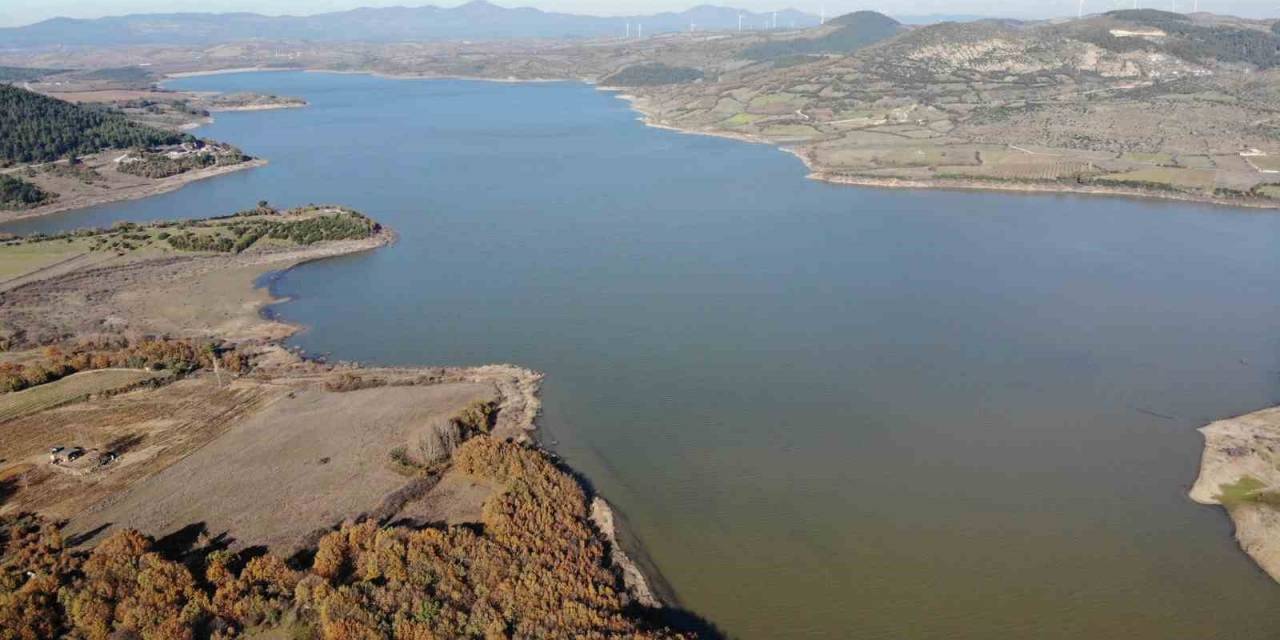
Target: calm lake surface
x,y
826,412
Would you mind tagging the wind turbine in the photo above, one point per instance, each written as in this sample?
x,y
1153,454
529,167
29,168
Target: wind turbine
x,y
775,19
824,14
1080,13
739,22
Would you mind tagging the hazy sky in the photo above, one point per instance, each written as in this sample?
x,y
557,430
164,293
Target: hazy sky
x,y
17,12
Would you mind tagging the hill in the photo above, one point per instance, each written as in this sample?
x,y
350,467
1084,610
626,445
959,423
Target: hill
x,y
1179,35
476,20
846,34
652,74
36,128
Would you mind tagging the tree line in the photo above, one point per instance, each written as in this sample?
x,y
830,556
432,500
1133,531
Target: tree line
x,y
179,356
238,236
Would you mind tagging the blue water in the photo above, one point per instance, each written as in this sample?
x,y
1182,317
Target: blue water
x,y
826,412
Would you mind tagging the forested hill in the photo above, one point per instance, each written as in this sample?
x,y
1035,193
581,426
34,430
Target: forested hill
x,y
37,128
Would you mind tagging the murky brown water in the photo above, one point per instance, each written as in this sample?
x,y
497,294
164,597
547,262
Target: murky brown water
x,y
827,412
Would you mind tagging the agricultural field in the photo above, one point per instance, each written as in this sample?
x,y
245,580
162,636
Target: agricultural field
x,y
70,389
1166,178
906,155
304,446
1157,159
1266,164
18,258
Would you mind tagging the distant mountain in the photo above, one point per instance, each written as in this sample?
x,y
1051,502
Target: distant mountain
x,y
476,20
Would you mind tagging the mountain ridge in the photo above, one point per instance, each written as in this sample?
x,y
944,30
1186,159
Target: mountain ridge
x,y
476,20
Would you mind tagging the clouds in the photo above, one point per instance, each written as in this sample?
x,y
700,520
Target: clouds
x,y
18,12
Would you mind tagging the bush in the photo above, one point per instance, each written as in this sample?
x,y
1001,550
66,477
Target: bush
x,y
16,193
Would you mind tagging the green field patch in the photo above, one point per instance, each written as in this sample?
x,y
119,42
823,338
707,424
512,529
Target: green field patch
x,y
1270,191
19,259
902,156
727,106
1026,172
790,131
1158,159
72,388
1196,162
742,120
775,103
1163,178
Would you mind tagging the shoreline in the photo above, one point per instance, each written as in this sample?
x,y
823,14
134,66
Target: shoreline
x,y
1237,473
828,176
219,72
161,186
815,173
519,388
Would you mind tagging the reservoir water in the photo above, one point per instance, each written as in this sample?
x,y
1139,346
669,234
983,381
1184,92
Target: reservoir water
x,y
826,412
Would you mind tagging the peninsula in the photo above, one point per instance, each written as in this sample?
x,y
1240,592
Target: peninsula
x,y
155,422
56,156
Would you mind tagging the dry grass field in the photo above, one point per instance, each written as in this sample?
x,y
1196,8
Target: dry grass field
x,y
69,389
150,429
309,459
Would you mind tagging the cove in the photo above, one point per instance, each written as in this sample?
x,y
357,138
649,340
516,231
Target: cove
x,y
826,412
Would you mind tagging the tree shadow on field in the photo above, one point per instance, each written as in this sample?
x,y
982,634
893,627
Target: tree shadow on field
x,y
8,487
82,538
191,544
125,443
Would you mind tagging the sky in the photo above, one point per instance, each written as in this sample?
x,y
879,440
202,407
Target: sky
x,y
20,12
